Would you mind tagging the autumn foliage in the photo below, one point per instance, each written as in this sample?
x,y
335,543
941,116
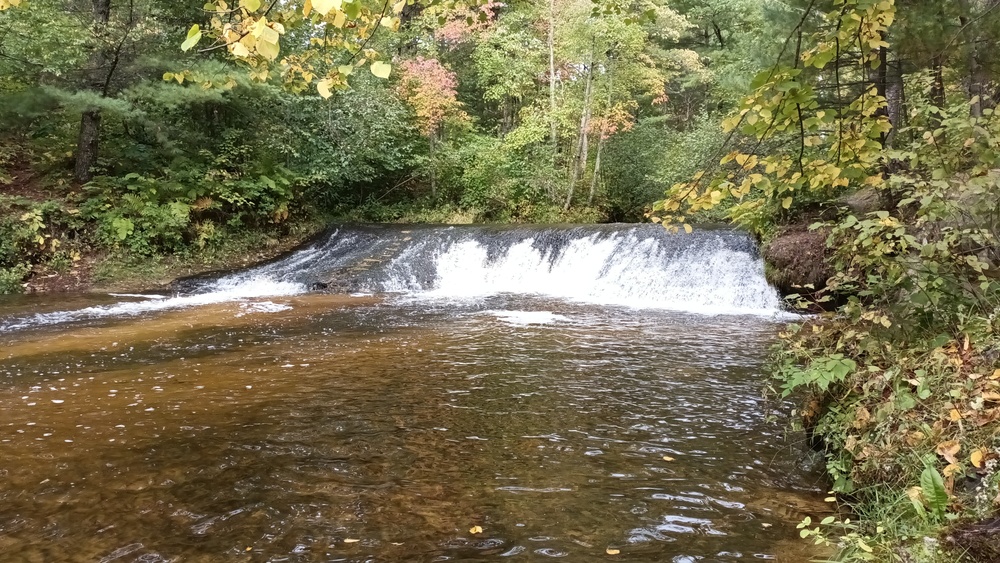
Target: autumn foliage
x,y
429,88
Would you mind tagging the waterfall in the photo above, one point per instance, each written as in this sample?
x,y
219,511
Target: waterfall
x,y
710,271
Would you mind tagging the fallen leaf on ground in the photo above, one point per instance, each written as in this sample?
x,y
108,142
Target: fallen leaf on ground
x,y
351,540
977,457
948,450
667,458
611,551
475,530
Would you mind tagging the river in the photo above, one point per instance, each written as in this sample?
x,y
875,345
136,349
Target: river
x,y
424,424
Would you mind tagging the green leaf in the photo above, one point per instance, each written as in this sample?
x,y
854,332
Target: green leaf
x,y
122,227
381,69
352,9
251,5
934,492
193,36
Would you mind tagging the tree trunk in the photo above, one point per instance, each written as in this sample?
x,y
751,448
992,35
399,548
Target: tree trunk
x,y
882,89
86,145
597,170
432,166
718,34
552,76
975,87
937,88
603,134
580,161
98,79
895,98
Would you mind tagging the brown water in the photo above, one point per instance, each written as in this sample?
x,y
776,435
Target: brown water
x,y
367,429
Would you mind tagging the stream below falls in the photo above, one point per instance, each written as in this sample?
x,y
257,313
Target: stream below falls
x,y
251,419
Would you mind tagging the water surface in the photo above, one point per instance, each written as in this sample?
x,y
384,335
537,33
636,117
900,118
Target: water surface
x,y
332,428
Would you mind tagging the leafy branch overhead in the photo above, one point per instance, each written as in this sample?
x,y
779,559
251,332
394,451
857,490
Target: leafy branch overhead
x,y
839,139
328,31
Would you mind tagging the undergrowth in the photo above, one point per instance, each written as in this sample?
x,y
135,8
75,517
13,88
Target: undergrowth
x,y
902,381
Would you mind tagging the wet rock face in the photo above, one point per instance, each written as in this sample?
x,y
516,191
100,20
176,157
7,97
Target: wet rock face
x,y
797,258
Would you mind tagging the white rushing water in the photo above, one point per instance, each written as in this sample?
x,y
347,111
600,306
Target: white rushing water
x,y
626,269
723,281
638,266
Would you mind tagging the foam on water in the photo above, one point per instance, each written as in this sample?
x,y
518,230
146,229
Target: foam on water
x,y
624,270
234,288
527,317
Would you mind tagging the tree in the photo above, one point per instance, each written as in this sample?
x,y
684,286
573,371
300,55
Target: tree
x,y
429,88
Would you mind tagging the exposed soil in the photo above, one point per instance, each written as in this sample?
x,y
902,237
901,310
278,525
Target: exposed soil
x,y
979,541
798,258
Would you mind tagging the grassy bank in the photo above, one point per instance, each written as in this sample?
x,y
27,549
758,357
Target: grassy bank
x,y
910,433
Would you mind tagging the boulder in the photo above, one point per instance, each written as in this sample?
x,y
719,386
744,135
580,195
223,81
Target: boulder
x,y
797,258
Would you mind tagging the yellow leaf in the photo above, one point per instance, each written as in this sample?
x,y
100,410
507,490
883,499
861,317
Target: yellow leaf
x,y
239,50
952,469
323,6
307,8
667,458
251,5
381,69
340,19
954,415
323,87
267,34
786,203
267,50
398,6
977,458
612,551
475,530
351,540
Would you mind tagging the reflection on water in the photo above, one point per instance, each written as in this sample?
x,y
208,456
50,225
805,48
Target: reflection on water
x,y
329,428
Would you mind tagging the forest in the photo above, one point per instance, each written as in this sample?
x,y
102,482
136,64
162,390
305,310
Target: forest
x,y
862,132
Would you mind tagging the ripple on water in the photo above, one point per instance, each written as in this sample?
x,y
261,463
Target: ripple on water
x,y
199,435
